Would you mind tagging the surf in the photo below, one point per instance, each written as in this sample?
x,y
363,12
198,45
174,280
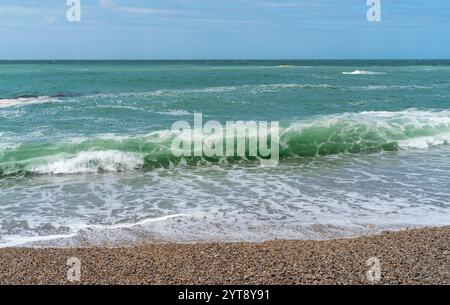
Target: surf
x,y
348,133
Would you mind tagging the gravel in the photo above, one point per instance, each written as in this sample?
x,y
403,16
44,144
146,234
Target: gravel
x,y
419,256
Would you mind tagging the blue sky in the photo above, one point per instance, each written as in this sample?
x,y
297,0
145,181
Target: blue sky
x,y
227,29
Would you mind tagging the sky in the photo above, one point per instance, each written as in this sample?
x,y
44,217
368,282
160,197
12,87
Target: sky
x,y
226,29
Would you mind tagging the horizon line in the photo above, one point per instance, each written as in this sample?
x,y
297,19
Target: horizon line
x,y
225,59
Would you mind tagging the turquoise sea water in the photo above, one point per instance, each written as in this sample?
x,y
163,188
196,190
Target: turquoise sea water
x,y
84,150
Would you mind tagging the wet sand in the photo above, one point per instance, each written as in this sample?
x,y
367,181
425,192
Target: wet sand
x,y
420,256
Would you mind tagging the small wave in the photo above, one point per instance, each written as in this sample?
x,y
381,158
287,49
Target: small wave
x,y
28,99
361,72
287,66
277,87
389,87
175,92
210,90
122,107
175,112
24,100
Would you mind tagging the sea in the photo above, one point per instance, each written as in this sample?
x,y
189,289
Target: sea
x,y
85,150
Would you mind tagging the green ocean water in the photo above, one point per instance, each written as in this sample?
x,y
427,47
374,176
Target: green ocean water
x,y
85,149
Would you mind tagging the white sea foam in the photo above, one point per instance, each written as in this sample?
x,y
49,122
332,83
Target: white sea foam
x,y
175,112
287,66
361,72
278,87
410,129
425,142
122,107
291,85
388,87
209,90
4,146
19,240
175,92
89,162
134,224
339,198
402,119
78,228
25,101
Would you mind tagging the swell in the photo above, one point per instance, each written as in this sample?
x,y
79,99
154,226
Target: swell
x,y
351,133
28,99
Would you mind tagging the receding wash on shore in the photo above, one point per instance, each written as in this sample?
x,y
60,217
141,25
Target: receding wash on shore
x,y
85,150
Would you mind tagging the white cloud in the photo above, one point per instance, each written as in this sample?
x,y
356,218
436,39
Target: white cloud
x,y
19,15
49,19
282,4
106,3
15,10
134,9
145,10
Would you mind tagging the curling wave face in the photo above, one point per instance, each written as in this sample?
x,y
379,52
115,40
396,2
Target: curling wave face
x,y
350,133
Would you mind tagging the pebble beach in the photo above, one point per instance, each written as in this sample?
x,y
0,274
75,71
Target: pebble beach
x,y
417,256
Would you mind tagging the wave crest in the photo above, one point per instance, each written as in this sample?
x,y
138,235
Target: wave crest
x,y
353,133
89,162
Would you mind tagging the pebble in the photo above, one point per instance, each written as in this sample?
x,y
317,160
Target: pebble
x,y
419,256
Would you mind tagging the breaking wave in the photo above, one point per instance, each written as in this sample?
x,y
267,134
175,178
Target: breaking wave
x,y
351,133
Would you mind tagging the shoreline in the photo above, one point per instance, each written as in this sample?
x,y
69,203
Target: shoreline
x,y
412,256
